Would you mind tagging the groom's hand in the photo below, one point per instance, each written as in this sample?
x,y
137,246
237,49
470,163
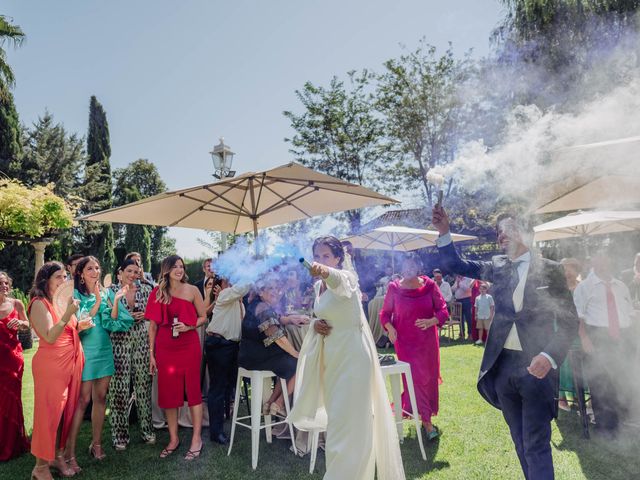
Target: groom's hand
x,y
440,219
540,366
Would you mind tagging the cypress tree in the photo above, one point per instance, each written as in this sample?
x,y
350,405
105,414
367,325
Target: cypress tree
x,y
97,188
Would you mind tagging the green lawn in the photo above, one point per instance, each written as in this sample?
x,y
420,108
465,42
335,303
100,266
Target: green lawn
x,y
475,444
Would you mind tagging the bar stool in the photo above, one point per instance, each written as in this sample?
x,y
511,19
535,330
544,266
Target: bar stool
x,y
257,378
395,372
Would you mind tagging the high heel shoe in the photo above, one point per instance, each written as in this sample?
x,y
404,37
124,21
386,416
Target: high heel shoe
x,y
60,465
92,451
277,410
193,454
41,472
73,463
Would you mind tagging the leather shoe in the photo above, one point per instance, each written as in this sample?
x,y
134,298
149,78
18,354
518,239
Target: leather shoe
x,y
220,438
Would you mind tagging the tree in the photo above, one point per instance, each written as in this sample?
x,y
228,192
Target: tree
x,y
546,50
10,147
97,188
12,34
32,212
51,155
139,179
340,134
420,97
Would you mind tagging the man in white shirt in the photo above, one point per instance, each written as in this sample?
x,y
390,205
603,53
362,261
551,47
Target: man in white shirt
x,y
445,288
604,307
518,374
462,293
221,348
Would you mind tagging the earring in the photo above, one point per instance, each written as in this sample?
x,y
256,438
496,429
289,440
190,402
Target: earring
x,y
82,281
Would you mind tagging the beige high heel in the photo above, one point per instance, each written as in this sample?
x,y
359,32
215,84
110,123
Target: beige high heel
x,y
92,451
41,472
60,465
73,463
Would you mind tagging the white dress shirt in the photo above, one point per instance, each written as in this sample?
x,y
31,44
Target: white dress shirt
x,y
228,312
590,297
445,290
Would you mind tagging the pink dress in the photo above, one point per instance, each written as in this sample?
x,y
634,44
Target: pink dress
x,y
420,348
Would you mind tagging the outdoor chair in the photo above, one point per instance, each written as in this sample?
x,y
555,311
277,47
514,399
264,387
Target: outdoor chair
x,y
257,378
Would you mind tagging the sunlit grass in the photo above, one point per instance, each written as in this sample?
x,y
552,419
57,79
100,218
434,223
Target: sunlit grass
x,y
475,444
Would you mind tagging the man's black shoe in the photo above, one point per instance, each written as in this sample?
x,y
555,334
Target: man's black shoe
x,y
220,438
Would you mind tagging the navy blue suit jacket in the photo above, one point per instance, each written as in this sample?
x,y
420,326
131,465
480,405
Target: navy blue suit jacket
x,y
548,321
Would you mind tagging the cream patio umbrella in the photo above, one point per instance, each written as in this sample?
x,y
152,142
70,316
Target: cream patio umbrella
x,y
247,202
601,175
584,224
399,239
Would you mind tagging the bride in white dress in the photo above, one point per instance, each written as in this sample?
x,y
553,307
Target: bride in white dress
x,y
339,384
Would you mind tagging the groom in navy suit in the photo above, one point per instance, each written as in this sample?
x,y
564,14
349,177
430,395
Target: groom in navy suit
x,y
533,327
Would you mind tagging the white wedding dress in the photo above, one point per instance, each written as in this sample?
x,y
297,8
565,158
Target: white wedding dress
x,y
340,388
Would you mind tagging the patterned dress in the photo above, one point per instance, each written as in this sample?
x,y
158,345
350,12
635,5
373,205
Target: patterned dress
x,y
131,380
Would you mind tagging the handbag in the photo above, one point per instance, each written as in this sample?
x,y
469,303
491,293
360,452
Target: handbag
x,y
26,339
386,359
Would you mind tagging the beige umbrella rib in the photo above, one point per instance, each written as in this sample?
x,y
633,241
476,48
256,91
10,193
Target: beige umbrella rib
x,y
287,201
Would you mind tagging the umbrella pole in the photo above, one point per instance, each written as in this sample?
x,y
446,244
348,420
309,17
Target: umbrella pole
x,y
255,236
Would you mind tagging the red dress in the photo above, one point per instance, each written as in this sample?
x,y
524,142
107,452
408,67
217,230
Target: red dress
x,y
419,348
178,359
13,439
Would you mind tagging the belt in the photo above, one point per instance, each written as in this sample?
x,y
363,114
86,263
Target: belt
x,y
217,335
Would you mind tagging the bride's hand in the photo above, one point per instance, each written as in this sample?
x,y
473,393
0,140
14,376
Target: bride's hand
x,y
322,327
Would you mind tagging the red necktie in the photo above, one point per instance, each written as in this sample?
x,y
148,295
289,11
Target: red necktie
x,y
612,310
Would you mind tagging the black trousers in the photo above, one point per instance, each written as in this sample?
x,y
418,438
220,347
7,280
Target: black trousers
x,y
222,360
527,404
607,370
466,315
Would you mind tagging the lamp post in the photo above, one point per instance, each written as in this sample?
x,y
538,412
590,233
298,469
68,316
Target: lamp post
x,y
222,157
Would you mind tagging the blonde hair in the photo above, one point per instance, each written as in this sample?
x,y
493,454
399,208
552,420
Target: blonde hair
x,y
163,295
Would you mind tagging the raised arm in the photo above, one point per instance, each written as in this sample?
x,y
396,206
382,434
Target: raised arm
x,y
449,257
42,320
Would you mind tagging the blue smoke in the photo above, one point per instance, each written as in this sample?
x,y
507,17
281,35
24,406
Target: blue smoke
x,y
240,265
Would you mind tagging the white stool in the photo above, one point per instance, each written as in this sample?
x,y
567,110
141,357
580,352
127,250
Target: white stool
x,y
257,377
395,372
313,439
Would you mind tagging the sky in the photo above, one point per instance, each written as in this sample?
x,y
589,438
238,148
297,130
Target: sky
x,y
174,76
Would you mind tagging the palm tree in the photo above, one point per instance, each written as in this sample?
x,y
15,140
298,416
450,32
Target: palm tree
x,y
12,34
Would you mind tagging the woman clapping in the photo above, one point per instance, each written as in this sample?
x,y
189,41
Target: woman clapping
x,y
131,361
106,313
57,371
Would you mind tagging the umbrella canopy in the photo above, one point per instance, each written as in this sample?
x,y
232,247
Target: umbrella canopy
x,y
247,202
605,191
583,224
600,175
399,239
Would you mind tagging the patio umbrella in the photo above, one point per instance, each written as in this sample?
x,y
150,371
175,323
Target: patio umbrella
x,y
583,224
399,239
247,202
601,175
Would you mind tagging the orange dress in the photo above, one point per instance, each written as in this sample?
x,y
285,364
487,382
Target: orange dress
x,y
57,375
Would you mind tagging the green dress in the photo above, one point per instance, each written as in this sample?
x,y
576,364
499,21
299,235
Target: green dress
x,y
96,342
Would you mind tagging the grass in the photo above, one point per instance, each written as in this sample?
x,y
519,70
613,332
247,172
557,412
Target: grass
x,y
475,444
